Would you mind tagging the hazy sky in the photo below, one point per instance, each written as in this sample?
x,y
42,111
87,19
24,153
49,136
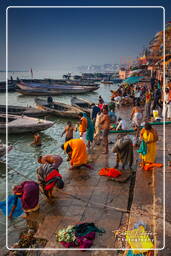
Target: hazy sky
x,y
51,39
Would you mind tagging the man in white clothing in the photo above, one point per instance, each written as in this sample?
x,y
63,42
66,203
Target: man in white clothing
x,y
121,124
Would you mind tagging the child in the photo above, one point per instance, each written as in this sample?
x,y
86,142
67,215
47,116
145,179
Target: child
x,y
68,131
37,140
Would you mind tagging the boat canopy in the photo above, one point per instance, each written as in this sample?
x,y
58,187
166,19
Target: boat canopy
x,y
133,80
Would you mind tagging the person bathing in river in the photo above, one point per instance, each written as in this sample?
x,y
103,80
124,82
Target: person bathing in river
x,y
68,131
76,150
28,191
37,140
48,177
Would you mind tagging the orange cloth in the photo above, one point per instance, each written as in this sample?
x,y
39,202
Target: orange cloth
x,y
83,124
111,172
79,154
148,167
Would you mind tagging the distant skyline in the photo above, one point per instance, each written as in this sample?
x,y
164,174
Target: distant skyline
x,y
56,39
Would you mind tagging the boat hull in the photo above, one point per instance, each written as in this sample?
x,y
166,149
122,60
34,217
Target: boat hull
x,y
83,105
20,110
46,89
58,109
18,125
132,130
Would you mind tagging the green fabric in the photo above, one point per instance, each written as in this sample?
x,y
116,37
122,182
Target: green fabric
x,y
143,148
112,106
133,80
66,235
90,129
89,229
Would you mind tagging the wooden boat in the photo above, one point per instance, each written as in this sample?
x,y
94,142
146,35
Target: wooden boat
x,y
39,92
22,124
11,86
117,80
21,110
54,89
82,104
58,108
122,131
106,82
160,123
132,130
57,82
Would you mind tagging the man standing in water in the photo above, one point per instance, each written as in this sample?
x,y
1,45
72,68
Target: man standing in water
x,y
105,123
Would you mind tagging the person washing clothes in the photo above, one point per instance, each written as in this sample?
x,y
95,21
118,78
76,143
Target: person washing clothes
x,y
77,153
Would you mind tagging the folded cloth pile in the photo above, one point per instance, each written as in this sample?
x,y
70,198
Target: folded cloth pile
x,y
80,235
110,172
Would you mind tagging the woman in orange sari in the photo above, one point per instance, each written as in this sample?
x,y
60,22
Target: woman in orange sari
x,y
150,137
76,150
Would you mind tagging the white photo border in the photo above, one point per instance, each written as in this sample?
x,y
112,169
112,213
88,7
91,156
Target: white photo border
x,y
164,162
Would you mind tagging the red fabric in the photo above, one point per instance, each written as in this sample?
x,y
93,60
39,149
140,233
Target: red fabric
x,y
51,175
101,106
148,167
111,172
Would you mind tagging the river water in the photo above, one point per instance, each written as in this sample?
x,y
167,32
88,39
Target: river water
x,y
23,157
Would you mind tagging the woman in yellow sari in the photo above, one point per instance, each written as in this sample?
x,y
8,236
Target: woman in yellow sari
x,y
76,150
150,137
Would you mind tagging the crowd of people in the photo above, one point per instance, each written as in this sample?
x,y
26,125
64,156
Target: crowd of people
x,y
93,130
151,96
